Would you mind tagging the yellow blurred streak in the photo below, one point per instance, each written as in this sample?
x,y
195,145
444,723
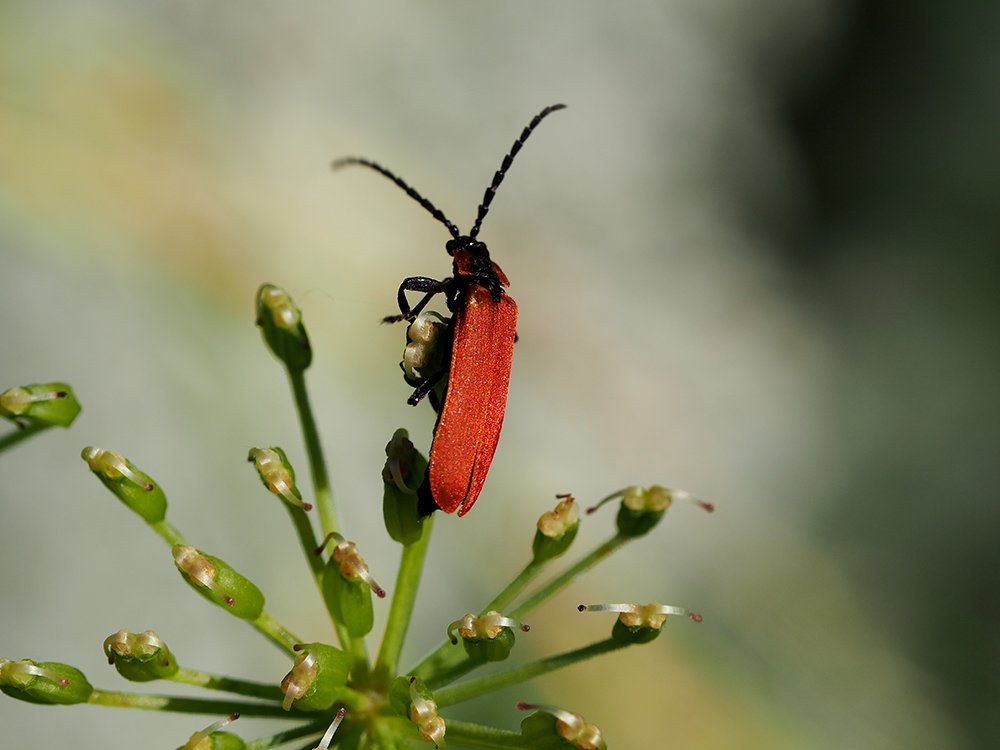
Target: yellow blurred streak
x,y
96,146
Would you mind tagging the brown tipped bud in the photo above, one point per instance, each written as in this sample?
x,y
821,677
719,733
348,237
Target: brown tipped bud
x,y
639,623
219,583
50,404
551,722
210,738
557,529
424,713
642,509
127,482
140,657
277,475
45,682
281,325
489,637
316,677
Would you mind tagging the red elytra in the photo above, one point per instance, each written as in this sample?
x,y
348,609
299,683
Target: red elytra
x,y
483,328
469,428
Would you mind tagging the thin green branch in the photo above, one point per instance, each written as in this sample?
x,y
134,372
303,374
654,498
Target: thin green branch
x,y
442,660
476,735
451,671
13,438
277,633
359,653
515,587
317,465
307,538
168,533
438,667
567,576
323,494
411,565
282,738
228,684
117,699
490,683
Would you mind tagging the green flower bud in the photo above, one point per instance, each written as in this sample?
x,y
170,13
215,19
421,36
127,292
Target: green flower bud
x,y
399,694
219,583
140,657
280,323
423,712
642,509
210,738
556,530
489,637
318,674
403,473
277,475
42,403
130,485
639,623
45,682
410,697
348,586
552,728
427,348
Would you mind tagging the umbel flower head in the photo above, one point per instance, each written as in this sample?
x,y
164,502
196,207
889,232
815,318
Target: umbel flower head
x,y
340,689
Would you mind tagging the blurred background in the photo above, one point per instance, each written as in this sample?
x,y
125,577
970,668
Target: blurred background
x,y
754,259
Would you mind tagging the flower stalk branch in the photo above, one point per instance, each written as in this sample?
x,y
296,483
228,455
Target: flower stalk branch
x,y
490,683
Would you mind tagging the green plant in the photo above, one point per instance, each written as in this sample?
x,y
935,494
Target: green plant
x,y
335,693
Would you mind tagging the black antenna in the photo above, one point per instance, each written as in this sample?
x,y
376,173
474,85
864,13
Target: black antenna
x,y
435,212
505,165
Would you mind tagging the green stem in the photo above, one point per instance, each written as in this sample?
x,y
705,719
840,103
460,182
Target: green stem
x,y
411,565
451,672
324,502
488,684
116,699
13,438
567,576
276,632
443,656
282,738
307,538
359,653
320,478
516,586
228,684
168,532
355,701
468,734
435,667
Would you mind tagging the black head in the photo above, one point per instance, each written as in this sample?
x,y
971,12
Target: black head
x,y
465,242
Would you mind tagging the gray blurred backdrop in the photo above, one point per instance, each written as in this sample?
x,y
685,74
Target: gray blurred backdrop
x,y
754,259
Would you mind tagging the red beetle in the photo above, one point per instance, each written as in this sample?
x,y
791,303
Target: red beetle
x,y
483,328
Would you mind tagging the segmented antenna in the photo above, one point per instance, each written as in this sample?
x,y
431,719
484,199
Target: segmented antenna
x,y
435,212
484,207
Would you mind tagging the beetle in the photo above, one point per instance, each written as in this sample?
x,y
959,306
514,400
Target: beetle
x,y
483,330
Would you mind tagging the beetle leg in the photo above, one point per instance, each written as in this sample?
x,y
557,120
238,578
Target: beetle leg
x,y
429,286
425,387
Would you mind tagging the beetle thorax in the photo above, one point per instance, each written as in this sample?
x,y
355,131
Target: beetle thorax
x,y
472,264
